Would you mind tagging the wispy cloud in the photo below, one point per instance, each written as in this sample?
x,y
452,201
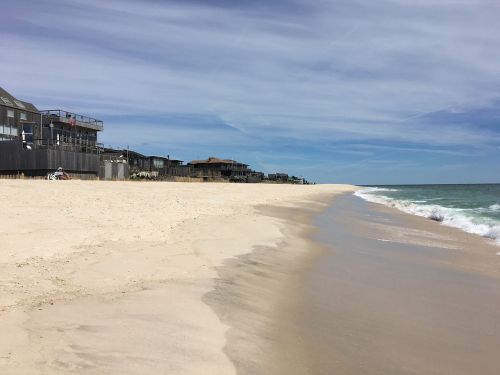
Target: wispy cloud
x,y
306,72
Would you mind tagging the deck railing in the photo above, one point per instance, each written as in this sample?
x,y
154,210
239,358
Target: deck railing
x,y
49,144
72,119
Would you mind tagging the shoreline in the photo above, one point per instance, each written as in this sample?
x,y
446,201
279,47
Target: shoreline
x,y
472,252
110,278
259,295
396,293
450,215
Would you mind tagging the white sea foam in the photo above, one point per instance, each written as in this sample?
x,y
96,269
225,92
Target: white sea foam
x,y
452,217
494,208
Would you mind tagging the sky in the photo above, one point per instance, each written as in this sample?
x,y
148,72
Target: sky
x,y
354,91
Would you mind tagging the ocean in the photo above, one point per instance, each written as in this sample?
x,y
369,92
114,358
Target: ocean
x,y
471,208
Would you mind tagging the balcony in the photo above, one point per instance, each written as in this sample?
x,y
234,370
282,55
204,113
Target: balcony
x,y
73,119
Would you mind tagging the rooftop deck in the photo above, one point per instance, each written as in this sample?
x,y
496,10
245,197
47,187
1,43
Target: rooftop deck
x,y
57,115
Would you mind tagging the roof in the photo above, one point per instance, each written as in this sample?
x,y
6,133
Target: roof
x,y
124,152
165,158
13,102
134,154
214,160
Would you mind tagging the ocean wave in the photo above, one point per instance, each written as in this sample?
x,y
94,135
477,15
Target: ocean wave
x,y
494,207
378,189
451,217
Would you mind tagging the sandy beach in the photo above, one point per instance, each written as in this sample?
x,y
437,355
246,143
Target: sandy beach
x,y
132,278
179,278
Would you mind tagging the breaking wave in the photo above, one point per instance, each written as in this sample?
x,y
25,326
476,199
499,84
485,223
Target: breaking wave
x,y
452,217
494,208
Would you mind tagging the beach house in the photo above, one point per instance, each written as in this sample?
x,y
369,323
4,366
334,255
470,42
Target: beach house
x,y
16,117
278,177
33,142
167,168
151,167
220,169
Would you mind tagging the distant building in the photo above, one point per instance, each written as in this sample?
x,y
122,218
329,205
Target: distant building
x,y
113,166
297,180
165,167
34,143
215,168
255,177
150,167
137,162
277,177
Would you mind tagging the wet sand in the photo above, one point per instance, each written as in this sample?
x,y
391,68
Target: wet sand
x,y
398,294
259,295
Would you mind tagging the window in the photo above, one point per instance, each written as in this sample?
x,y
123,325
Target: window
x,y
10,113
158,163
19,104
23,116
28,133
28,129
5,100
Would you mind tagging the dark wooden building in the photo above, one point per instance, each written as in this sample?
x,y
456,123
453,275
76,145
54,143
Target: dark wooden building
x,y
34,143
62,128
137,162
215,168
16,117
153,167
165,168
278,177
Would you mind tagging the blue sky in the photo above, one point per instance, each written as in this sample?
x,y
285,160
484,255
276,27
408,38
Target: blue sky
x,y
387,91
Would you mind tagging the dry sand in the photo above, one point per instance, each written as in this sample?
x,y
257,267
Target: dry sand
x,y
125,277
